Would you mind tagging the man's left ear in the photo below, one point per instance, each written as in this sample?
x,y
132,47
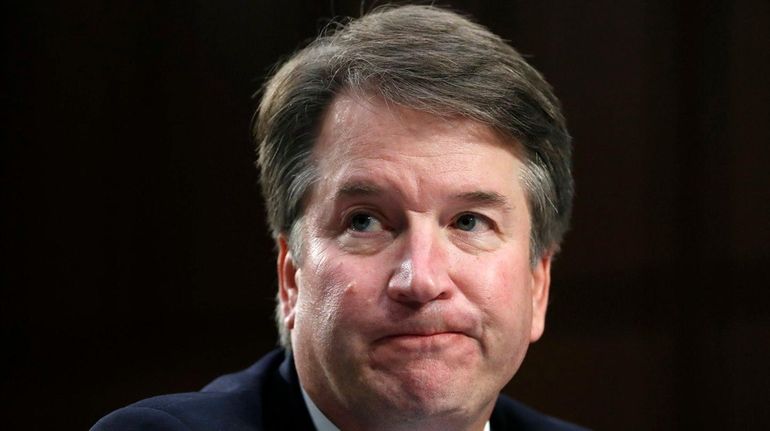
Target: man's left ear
x,y
541,283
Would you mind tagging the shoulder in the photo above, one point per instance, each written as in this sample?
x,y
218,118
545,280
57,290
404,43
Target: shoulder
x,y
231,402
135,418
185,412
513,415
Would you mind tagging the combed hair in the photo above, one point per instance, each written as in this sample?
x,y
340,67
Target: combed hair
x,y
428,59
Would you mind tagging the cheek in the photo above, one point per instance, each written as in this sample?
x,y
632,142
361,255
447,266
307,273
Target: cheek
x,y
494,278
317,306
337,295
501,289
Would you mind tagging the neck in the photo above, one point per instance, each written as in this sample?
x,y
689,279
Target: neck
x,y
366,418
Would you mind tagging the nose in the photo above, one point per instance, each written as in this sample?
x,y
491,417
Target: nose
x,y
423,273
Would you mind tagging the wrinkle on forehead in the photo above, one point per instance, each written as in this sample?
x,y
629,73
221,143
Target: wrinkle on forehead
x,y
385,146
365,114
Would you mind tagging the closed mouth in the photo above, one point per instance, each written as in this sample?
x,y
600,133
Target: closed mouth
x,y
422,339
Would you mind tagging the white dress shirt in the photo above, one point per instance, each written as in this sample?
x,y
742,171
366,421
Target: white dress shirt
x,y
322,423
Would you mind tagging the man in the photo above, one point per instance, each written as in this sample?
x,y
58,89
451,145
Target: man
x,y
416,172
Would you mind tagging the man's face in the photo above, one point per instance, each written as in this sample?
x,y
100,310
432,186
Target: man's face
x,y
414,294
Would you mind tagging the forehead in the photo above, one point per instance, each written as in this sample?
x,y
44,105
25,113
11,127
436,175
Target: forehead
x,y
368,144
360,126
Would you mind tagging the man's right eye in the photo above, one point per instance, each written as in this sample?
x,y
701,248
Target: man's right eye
x,y
363,222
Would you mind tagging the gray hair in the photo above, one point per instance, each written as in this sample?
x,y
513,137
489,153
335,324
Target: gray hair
x,y
425,58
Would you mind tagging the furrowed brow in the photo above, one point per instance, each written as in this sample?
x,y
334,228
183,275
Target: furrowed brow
x,y
485,199
358,189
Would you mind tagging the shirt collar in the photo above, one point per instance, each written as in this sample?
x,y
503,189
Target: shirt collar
x,y
322,423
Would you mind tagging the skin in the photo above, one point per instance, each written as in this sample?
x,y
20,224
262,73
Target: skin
x,y
414,301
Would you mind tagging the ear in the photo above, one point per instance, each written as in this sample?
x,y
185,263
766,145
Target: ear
x,y
287,282
541,283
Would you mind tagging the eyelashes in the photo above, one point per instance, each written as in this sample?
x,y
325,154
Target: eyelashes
x,y
472,222
368,222
364,222
366,231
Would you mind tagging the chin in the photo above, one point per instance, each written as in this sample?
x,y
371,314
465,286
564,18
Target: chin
x,y
426,391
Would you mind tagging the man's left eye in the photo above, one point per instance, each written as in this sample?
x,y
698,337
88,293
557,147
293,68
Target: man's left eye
x,y
471,222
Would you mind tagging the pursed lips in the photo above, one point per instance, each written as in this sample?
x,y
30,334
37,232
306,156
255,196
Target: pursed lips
x,y
428,323
421,334
423,342
433,329
418,336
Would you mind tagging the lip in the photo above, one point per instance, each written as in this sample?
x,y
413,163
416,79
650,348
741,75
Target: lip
x,y
421,334
428,326
422,341
431,328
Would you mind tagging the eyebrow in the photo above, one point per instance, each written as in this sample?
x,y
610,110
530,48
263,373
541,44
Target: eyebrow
x,y
481,198
358,188
484,198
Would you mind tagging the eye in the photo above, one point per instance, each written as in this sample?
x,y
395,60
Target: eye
x,y
470,222
363,222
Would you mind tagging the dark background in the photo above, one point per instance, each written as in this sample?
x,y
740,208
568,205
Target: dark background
x,y
136,261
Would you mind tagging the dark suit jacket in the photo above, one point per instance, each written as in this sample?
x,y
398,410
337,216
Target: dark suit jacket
x,y
266,397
